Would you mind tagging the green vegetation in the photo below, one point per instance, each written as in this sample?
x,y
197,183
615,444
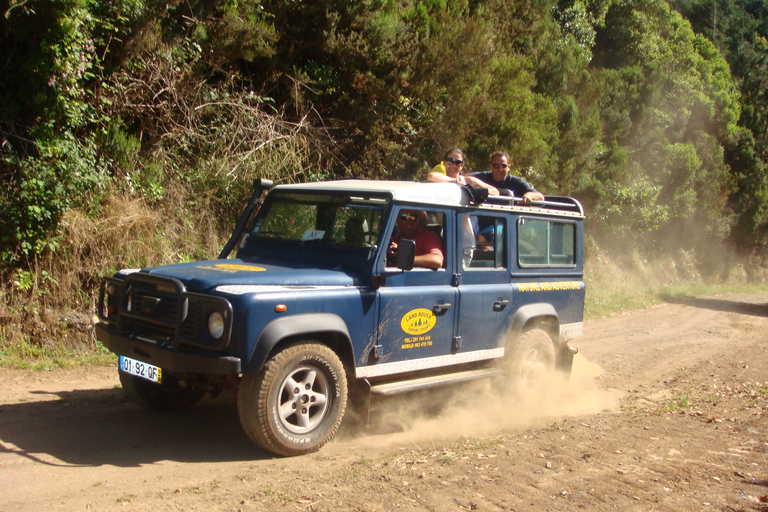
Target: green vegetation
x,y
130,131
25,355
446,459
676,404
616,284
127,498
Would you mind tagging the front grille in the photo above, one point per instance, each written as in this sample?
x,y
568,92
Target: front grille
x,y
151,311
190,327
160,309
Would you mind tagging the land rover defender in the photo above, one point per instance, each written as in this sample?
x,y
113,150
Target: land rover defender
x,y
310,314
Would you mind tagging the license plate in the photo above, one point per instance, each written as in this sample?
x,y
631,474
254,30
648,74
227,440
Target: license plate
x,y
141,369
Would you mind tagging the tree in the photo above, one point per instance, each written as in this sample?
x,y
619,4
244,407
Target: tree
x,y
739,30
670,106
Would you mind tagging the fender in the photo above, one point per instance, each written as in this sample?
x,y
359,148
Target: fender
x,y
290,326
540,310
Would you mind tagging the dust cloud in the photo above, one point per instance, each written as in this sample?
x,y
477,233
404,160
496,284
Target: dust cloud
x,y
483,408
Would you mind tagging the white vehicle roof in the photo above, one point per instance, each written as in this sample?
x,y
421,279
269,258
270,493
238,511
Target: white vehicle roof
x,y
446,194
421,193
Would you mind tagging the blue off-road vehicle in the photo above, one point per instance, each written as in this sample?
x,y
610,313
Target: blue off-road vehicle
x,y
311,313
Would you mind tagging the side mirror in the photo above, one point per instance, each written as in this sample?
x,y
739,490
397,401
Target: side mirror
x,y
406,250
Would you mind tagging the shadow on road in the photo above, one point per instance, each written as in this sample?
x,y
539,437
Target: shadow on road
x,y
743,308
97,427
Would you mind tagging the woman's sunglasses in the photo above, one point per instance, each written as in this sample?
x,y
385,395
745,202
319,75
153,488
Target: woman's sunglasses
x,y
454,162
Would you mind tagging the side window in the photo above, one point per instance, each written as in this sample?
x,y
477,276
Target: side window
x,y
411,221
490,247
545,243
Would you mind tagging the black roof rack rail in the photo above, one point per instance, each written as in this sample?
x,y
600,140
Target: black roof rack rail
x,y
550,202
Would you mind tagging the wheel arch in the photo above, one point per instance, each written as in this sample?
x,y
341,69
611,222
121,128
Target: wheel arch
x,y
535,316
327,328
542,316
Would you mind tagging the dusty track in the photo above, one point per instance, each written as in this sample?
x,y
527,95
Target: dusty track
x,y
666,410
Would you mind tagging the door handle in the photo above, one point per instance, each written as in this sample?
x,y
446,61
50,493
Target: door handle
x,y
500,304
441,307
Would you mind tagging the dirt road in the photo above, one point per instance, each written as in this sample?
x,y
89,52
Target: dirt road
x,y
666,411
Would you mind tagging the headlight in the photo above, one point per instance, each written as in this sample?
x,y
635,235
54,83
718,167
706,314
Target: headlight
x,y
111,289
216,325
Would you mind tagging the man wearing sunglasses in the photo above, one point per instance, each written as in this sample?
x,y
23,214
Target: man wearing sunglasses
x,y
428,251
499,177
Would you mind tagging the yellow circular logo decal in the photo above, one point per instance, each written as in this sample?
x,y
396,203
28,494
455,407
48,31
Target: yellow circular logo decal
x,y
418,321
232,268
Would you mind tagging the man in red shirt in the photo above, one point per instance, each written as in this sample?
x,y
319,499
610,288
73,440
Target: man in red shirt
x,y
428,251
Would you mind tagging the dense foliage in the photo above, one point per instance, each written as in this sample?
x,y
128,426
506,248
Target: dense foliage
x,y
656,117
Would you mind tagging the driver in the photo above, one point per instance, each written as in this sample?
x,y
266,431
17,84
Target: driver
x,y
428,253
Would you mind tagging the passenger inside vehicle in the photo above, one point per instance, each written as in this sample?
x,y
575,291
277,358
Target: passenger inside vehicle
x,y
429,252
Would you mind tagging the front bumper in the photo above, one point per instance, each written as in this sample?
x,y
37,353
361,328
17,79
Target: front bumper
x,y
167,358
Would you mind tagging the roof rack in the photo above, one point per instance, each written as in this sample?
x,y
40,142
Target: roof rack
x,y
550,202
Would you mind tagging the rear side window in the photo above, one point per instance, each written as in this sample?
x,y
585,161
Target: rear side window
x,y
490,249
546,243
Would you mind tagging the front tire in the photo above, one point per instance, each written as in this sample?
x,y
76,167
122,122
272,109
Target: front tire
x,y
296,403
171,395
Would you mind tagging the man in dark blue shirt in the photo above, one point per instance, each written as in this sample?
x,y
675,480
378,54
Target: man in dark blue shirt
x,y
499,177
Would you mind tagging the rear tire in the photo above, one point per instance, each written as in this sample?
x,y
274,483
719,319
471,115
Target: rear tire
x,y
296,403
531,363
171,395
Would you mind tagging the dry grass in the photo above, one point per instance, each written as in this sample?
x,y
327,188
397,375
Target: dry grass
x,y
48,310
635,282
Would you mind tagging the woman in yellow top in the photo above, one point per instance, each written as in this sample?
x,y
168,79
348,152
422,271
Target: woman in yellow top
x,y
453,163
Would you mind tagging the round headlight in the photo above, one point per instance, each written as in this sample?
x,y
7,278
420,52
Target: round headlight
x,y
216,325
111,289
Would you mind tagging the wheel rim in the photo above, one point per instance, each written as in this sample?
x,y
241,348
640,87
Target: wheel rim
x,y
304,399
534,367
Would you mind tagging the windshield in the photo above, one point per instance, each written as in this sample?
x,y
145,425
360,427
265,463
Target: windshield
x,y
319,219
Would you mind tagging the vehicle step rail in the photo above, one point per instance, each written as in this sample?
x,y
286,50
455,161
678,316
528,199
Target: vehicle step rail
x,y
406,386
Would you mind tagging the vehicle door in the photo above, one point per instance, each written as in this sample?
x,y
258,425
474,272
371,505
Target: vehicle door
x,y
417,307
485,292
